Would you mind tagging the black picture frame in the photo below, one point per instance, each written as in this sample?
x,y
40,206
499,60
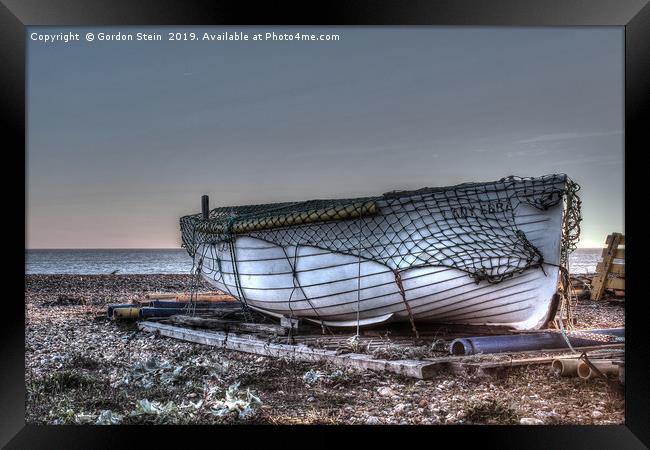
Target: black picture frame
x,y
633,15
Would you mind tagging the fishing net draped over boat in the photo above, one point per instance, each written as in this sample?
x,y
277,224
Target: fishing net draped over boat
x,y
470,227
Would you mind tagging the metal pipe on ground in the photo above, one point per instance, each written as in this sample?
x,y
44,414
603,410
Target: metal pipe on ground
x,y
606,367
565,367
157,311
546,340
126,313
112,307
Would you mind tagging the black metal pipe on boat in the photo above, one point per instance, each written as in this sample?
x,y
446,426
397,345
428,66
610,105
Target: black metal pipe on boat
x,y
525,342
205,207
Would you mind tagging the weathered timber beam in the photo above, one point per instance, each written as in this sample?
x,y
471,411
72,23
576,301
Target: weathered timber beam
x,y
227,325
406,367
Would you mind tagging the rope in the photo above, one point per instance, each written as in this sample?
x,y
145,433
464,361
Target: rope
x,y
571,219
358,283
398,280
297,285
610,383
233,258
195,271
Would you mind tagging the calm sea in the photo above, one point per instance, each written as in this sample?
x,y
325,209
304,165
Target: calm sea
x,y
162,261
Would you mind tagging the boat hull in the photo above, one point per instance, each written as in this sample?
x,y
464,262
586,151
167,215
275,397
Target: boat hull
x,y
342,290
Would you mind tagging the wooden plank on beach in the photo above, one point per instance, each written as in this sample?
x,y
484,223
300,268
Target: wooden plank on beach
x,y
615,283
227,325
407,367
531,361
205,298
160,295
514,355
617,254
612,236
602,279
480,363
186,297
618,269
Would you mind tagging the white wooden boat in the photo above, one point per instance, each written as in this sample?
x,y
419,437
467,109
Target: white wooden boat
x,y
404,272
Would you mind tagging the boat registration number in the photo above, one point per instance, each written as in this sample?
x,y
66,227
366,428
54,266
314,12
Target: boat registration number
x,y
483,209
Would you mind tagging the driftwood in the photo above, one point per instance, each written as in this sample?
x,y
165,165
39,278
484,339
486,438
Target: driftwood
x,y
227,325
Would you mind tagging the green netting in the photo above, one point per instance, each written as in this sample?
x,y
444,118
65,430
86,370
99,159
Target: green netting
x,y
470,227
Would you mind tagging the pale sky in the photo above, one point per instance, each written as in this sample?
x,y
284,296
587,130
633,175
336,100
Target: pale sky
x,y
125,137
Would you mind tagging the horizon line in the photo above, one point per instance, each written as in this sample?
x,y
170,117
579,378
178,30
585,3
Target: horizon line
x,y
161,248
106,248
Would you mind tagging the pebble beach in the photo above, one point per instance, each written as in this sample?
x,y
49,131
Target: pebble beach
x,y
82,368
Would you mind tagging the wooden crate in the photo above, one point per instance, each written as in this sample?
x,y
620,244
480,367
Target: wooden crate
x,y
610,275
